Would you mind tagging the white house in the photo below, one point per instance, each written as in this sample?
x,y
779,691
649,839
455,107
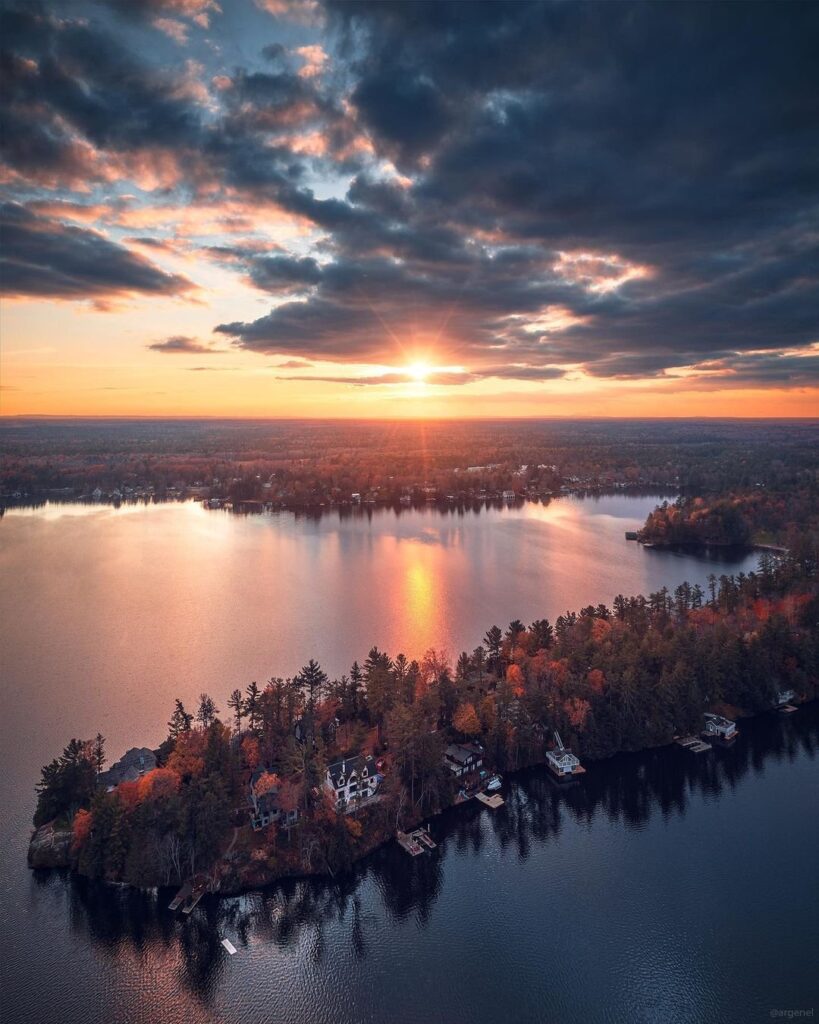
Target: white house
x,y
719,727
562,762
352,781
508,495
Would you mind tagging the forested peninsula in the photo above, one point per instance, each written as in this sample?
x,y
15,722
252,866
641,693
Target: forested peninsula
x,y
242,796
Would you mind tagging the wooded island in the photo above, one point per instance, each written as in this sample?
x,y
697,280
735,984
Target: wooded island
x,y
307,774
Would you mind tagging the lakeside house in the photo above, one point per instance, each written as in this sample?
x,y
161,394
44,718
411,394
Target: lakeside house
x,y
131,766
783,697
352,781
265,805
562,762
508,495
463,758
719,728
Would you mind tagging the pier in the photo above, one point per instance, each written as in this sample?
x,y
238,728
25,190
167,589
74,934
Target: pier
x,y
416,842
494,801
692,744
181,896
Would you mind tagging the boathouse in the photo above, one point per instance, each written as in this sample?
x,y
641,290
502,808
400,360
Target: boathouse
x,y
719,727
562,762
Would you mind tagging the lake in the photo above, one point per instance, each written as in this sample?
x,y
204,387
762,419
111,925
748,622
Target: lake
x,y
662,889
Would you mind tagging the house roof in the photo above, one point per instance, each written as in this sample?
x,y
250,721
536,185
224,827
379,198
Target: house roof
x,y
562,756
461,753
723,723
130,766
345,768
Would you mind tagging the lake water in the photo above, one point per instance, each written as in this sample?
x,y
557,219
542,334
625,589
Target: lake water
x,y
662,889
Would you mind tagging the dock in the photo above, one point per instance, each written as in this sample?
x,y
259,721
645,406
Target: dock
x,y
229,946
692,744
181,896
788,709
494,801
416,842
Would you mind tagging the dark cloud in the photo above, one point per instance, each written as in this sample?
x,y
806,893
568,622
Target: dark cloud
x,y
44,257
523,187
181,344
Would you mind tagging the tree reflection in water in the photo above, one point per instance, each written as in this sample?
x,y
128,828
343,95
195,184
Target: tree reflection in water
x,y
629,789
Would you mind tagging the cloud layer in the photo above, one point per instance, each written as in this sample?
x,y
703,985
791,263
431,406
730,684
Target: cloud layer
x,y
521,190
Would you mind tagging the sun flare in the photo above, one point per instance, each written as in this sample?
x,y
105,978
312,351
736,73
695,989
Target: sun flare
x,y
419,372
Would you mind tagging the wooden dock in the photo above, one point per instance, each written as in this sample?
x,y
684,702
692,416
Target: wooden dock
x,y
787,709
494,801
416,842
692,744
181,896
406,842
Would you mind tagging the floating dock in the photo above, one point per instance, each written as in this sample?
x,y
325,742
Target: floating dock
x,y
494,801
693,745
229,946
416,842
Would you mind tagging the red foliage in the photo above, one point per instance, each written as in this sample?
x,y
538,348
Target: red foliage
x,y
83,820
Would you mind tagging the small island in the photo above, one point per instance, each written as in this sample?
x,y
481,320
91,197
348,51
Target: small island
x,y
306,775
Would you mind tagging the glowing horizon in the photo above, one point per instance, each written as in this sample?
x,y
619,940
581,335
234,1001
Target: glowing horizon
x,y
262,219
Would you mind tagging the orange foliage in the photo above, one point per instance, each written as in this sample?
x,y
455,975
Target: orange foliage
x,y
267,782
466,720
514,676
600,629
187,758
83,820
159,784
596,680
577,711
250,752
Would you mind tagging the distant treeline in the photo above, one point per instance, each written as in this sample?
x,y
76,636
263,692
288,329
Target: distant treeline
x,y
304,464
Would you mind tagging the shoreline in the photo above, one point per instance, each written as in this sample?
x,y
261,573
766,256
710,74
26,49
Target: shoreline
x,y
59,840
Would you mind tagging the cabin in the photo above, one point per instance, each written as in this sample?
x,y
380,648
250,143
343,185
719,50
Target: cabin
x,y
351,781
508,495
783,697
463,758
719,728
131,766
562,762
265,807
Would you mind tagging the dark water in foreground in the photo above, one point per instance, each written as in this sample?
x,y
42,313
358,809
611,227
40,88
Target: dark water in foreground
x,y
664,888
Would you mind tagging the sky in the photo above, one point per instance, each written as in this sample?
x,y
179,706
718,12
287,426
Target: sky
x,y
303,208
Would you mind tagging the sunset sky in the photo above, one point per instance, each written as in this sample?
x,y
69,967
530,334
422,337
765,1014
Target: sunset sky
x,y
280,208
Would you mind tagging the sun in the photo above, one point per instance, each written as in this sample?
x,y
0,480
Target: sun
x,y
419,372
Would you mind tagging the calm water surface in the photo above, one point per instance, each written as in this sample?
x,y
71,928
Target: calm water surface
x,y
663,889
